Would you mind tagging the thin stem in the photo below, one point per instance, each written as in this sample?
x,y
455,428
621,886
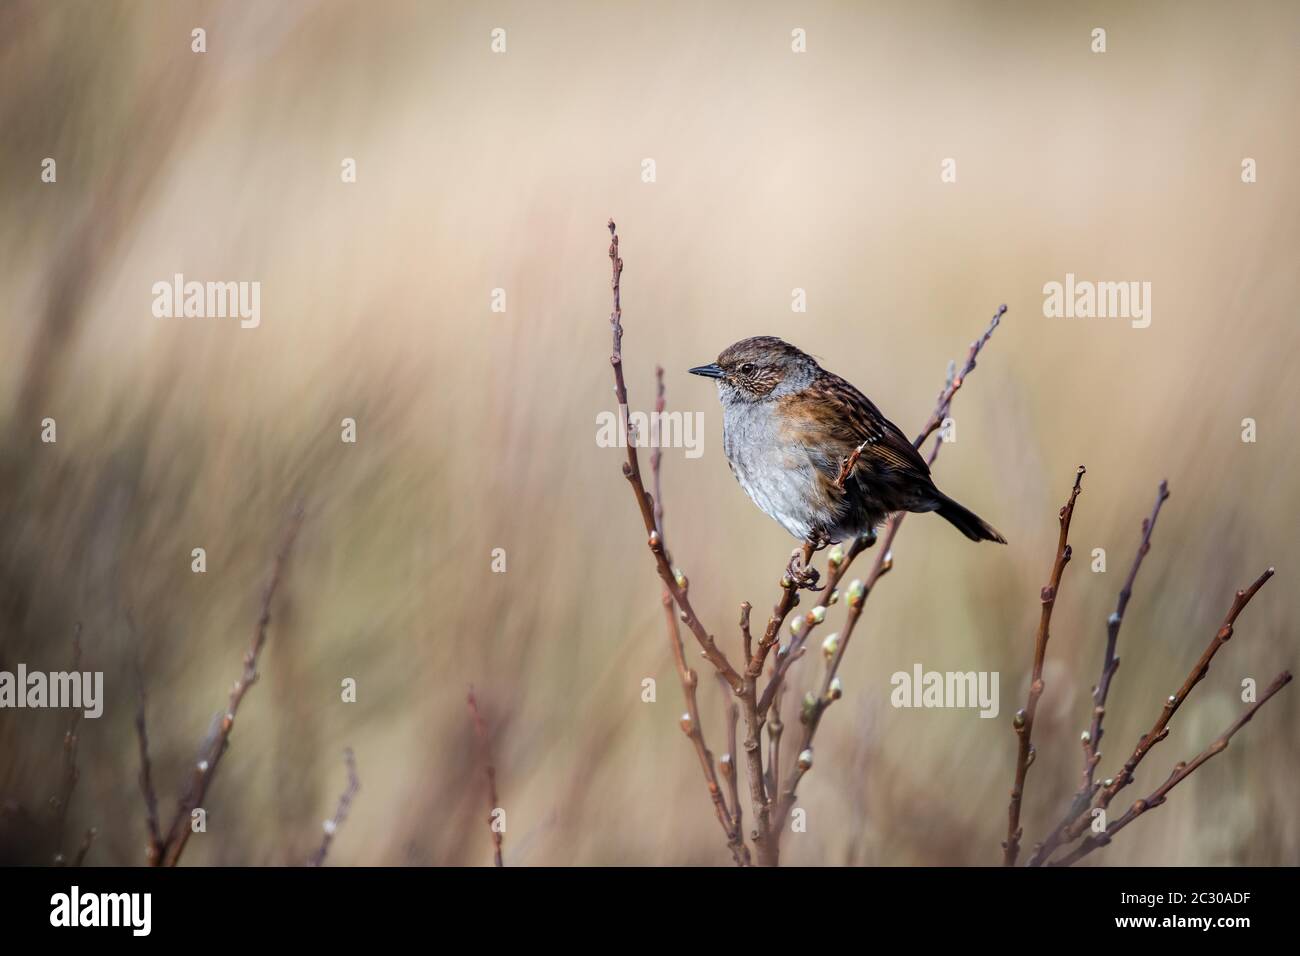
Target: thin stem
x,y
632,472
490,772
218,740
1024,719
1180,773
332,825
153,851
1109,665
1160,729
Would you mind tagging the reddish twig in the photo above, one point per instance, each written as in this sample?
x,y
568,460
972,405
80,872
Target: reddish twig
x,y
70,775
1160,729
691,724
331,826
1024,719
153,850
1180,773
727,767
1109,665
87,839
632,471
218,740
481,734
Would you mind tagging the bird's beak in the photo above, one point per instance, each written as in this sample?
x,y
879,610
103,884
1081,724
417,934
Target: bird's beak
x,y
708,371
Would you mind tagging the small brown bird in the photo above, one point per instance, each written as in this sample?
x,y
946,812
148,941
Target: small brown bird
x,y
788,427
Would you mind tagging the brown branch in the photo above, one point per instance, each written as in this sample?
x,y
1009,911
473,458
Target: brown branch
x,y
331,826
218,740
691,724
153,851
632,472
1180,773
837,565
70,775
727,767
775,728
481,734
1109,665
86,841
1024,719
1160,729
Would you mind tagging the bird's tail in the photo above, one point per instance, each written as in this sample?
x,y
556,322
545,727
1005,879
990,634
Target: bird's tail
x,y
968,522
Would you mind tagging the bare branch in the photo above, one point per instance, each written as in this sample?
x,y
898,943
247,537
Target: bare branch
x,y
1024,719
1180,773
1160,729
153,850
632,471
86,841
331,826
1109,665
691,724
218,740
481,733
70,775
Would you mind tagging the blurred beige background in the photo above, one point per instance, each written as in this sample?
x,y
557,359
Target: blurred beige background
x,y
476,430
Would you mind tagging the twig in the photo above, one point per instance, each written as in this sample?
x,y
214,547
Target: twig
x,y
775,727
153,851
1109,665
837,565
691,724
1024,719
218,740
86,841
70,776
332,825
1180,773
480,732
1160,729
632,471
727,767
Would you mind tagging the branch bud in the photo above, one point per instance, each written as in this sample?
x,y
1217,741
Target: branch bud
x,y
688,725
836,557
837,689
1018,721
680,579
805,760
817,615
809,707
856,592
831,645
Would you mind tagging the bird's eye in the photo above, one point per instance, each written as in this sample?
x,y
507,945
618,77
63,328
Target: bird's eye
x,y
747,368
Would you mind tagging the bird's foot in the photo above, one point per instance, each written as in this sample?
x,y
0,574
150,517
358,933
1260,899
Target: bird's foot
x,y
803,576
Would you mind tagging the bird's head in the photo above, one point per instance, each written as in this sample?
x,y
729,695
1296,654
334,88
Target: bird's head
x,y
760,368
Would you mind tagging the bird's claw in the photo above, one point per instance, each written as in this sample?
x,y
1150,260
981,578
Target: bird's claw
x,y
804,577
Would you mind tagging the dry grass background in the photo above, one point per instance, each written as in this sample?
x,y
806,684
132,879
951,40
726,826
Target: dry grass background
x,y
477,430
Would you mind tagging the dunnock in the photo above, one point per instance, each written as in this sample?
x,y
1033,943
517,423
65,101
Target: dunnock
x,y
788,427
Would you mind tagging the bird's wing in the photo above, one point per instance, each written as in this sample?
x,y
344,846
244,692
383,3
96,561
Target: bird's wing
x,y
853,420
